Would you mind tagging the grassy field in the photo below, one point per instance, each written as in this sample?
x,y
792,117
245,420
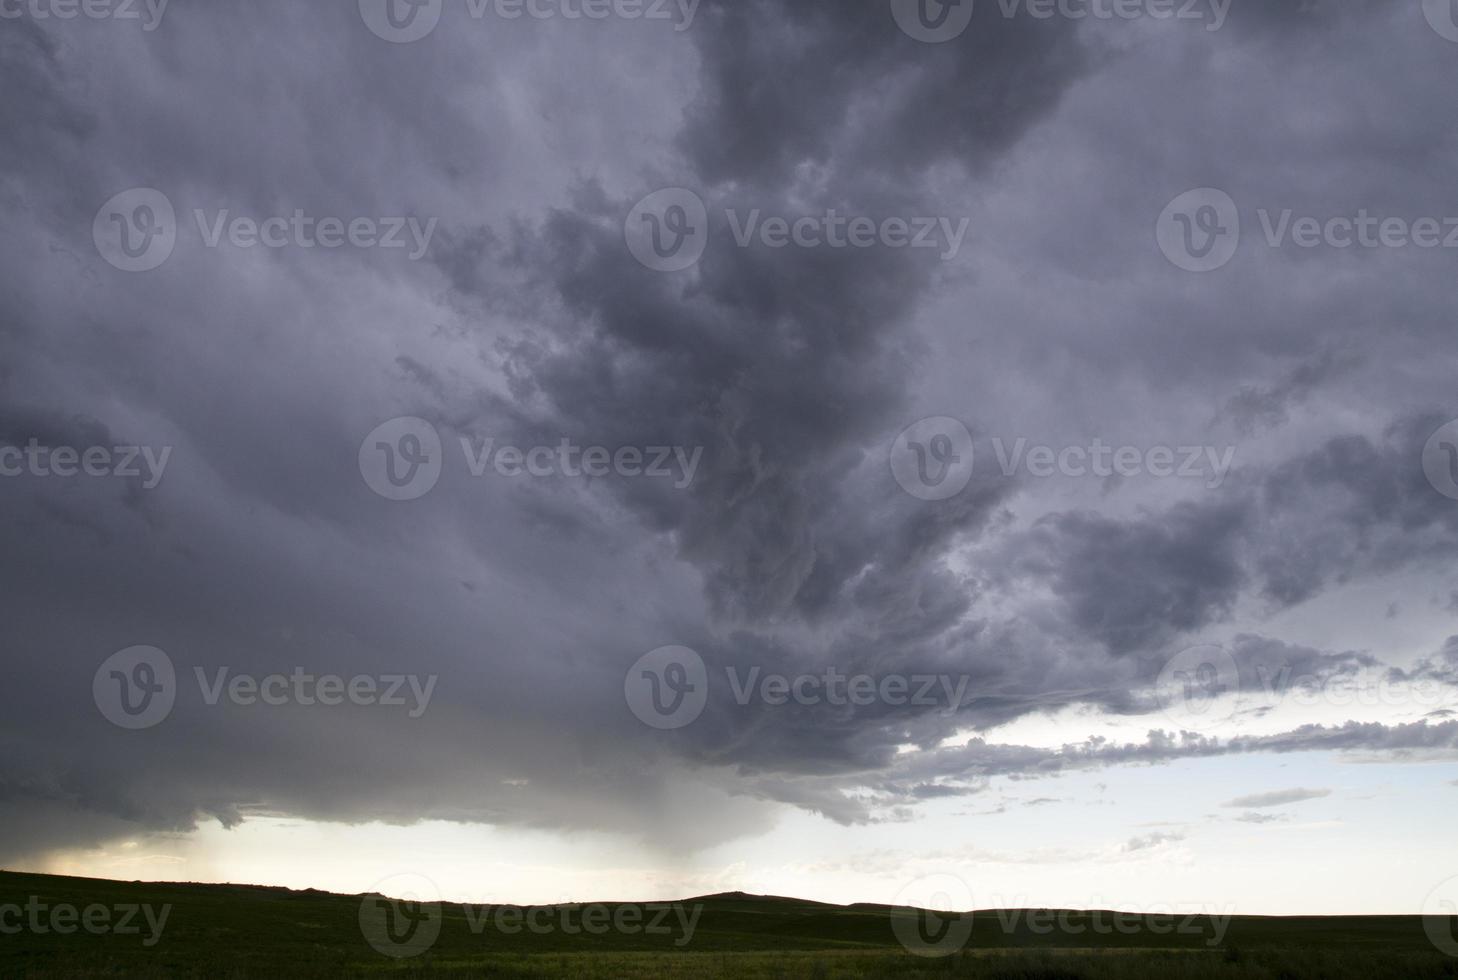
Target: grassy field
x,y
73,927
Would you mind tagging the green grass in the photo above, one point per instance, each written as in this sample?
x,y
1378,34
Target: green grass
x,y
246,931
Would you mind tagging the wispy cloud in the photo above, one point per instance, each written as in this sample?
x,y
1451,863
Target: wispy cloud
x,y
1280,797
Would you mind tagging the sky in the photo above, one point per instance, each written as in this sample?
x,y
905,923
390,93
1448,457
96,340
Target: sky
x,y
584,450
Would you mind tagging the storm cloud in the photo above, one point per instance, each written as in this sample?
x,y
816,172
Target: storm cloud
x,y
790,370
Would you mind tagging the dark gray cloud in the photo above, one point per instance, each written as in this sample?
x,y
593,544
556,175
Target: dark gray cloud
x,y
1134,584
1258,407
1442,667
793,84
1351,507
